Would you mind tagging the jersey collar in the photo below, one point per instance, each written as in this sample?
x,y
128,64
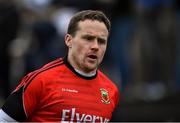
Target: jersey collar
x,y
77,73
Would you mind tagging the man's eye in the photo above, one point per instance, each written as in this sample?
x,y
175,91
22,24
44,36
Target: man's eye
x,y
89,38
101,41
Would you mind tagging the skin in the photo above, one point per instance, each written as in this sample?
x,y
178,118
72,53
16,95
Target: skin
x,y
87,48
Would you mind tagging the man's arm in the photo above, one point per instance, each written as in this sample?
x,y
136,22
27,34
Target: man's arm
x,y
22,102
13,106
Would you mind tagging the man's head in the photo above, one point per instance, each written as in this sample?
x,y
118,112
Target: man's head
x,y
87,15
86,40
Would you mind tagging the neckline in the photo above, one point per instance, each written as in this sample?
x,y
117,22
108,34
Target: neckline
x,y
78,73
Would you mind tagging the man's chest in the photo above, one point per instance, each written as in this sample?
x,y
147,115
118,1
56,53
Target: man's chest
x,y
69,101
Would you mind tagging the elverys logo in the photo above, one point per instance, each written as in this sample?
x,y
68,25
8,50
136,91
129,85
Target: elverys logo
x,y
72,116
104,96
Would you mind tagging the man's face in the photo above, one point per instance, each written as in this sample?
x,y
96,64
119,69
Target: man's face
x,y
88,46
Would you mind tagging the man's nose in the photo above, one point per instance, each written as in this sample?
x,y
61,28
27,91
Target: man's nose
x,y
95,45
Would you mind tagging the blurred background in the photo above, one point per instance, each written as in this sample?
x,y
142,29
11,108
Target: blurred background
x,y
143,55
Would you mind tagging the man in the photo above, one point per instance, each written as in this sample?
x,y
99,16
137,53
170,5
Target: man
x,y
72,88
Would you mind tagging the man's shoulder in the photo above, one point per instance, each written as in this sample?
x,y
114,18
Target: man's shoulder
x,y
104,77
54,63
46,70
50,68
42,75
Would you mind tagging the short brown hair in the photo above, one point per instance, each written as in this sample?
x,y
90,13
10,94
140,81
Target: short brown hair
x,y
87,15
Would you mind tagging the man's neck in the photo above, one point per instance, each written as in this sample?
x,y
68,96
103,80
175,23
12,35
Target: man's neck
x,y
90,74
85,74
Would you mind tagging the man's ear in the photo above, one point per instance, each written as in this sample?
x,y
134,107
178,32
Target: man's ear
x,y
68,40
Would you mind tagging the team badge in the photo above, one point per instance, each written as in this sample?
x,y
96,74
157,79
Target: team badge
x,y
104,96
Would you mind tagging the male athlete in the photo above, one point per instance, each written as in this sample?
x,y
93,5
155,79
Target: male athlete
x,y
71,88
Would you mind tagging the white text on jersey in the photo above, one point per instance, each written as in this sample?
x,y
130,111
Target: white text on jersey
x,y
72,115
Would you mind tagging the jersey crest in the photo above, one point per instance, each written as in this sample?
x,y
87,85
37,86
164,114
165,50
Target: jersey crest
x,y
104,96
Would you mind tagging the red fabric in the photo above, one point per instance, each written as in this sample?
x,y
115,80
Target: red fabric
x,y
55,93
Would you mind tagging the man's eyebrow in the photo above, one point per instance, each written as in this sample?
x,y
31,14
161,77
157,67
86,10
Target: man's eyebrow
x,y
88,36
102,38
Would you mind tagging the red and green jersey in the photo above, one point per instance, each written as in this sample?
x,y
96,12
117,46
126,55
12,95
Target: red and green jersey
x,y
56,92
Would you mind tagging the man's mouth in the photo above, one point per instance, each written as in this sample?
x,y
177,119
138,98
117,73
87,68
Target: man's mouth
x,y
92,56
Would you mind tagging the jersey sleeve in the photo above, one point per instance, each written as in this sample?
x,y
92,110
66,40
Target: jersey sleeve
x,y
24,100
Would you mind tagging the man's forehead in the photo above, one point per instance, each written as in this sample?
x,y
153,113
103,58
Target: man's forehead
x,y
90,28
93,34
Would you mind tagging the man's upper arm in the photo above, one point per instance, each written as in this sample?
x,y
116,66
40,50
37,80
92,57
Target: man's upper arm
x,y
23,101
13,106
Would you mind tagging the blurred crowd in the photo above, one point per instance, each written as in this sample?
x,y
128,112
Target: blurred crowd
x,y
143,56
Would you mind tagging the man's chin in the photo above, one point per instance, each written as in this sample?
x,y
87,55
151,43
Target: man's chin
x,y
91,67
